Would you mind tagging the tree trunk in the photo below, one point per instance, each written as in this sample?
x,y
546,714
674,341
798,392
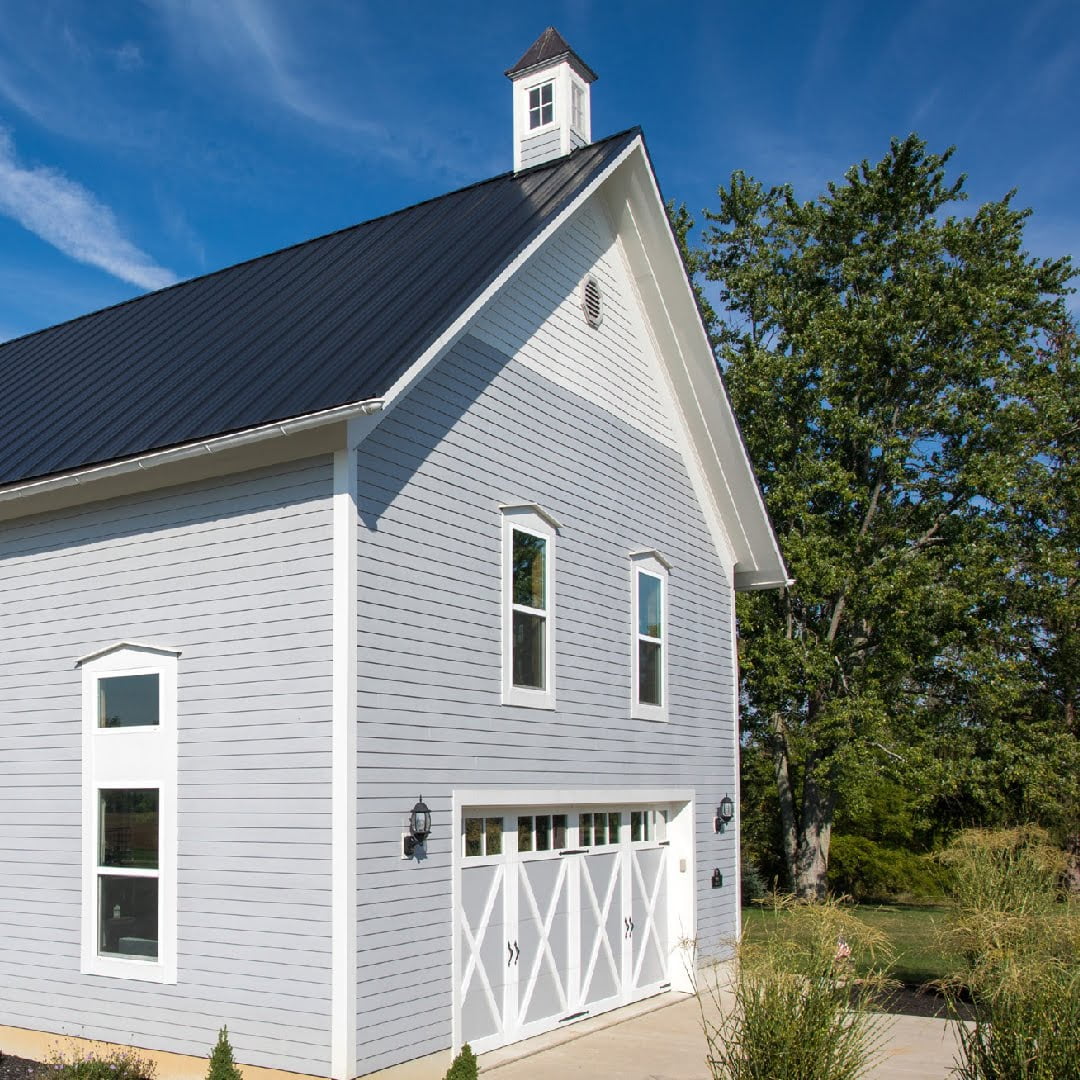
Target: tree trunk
x,y
786,798
812,858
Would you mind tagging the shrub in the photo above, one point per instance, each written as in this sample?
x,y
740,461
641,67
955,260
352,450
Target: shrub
x,y
798,1009
464,1066
1020,939
753,885
222,1066
871,872
116,1064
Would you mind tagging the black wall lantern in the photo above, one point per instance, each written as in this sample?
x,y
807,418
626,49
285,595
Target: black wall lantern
x,y
724,813
419,827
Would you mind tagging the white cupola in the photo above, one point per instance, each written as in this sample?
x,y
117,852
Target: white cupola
x,y
551,101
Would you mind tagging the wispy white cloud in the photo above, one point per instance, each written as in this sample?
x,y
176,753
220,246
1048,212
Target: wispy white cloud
x,y
70,218
246,38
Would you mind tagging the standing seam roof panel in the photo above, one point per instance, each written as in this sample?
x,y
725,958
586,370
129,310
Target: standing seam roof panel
x,y
325,323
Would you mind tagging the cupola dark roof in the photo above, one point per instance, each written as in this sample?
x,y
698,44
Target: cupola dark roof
x,y
549,46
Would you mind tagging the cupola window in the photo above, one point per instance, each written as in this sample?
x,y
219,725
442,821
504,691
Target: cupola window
x,y
541,105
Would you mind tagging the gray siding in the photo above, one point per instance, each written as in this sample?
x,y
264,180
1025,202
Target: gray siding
x,y
540,148
484,429
236,573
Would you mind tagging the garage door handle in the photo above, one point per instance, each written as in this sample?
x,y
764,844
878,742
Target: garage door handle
x,y
510,954
629,924
517,952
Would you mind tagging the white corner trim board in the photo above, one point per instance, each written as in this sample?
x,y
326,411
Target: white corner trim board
x,y
343,767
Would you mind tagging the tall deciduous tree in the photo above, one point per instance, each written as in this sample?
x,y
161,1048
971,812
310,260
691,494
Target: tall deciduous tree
x,y
875,348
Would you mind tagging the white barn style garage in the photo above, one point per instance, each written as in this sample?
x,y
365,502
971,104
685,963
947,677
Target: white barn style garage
x,y
367,650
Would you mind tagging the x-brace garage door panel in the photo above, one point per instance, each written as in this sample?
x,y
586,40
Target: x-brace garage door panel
x,y
603,929
563,914
483,936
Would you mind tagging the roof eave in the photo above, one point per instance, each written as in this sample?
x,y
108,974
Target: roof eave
x,y
92,474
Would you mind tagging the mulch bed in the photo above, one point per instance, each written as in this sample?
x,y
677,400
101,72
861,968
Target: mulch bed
x,y
17,1068
914,1002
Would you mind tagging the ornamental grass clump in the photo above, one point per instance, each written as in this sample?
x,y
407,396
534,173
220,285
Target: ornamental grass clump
x,y
1019,934
794,1007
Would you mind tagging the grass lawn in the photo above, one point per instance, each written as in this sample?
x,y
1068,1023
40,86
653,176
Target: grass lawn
x,y
911,929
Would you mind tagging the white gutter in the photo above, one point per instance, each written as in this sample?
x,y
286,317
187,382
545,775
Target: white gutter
x,y
196,449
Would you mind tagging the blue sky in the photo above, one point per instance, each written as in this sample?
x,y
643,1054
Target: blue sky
x,y
147,141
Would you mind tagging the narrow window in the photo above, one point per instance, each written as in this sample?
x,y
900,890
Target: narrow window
x,y
129,777
128,869
577,108
649,644
541,105
650,639
528,607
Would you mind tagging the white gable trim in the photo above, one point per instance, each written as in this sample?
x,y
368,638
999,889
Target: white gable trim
x,y
131,646
708,423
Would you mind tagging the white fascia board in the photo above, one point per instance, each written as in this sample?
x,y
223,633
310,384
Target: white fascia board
x,y
657,269
199,448
457,328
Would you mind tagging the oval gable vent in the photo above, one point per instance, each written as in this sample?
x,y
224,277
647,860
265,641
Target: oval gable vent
x,y
592,301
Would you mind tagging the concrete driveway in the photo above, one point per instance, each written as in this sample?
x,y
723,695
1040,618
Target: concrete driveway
x,y
661,1039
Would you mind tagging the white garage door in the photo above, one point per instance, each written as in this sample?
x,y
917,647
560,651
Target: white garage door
x,y
563,914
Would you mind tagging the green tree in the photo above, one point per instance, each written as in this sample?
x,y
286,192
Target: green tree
x,y
872,342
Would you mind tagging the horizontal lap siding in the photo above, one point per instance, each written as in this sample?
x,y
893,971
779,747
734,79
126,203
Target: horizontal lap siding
x,y
236,574
574,422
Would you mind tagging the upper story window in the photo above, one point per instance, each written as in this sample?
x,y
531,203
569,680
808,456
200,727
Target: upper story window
x,y
649,616
129,701
129,777
541,105
528,606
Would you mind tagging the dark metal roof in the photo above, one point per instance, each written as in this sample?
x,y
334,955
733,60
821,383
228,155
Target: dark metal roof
x,y
326,323
549,46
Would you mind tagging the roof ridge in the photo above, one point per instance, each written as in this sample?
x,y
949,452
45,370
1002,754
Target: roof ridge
x,y
313,240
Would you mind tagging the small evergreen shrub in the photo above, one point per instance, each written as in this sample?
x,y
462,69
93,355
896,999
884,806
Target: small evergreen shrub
x,y
464,1066
753,885
222,1066
117,1064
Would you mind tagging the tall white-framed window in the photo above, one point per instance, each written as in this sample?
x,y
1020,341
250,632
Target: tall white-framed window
x,y
649,691
129,826
528,606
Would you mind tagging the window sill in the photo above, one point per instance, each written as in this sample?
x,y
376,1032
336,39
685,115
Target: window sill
x,y
116,967
529,699
657,714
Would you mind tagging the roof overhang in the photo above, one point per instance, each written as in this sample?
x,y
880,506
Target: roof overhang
x,y
253,447
727,484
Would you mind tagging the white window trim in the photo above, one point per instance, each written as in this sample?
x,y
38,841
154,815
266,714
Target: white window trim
x,y
529,518
654,565
534,84
134,758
